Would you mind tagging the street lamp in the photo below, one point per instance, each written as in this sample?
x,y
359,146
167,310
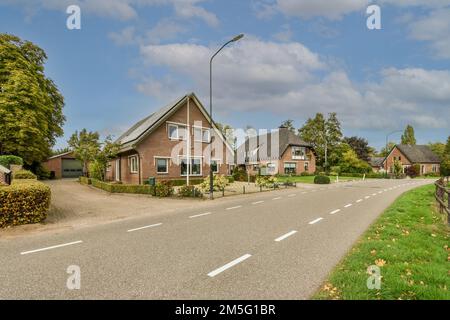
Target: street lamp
x,y
387,154
211,175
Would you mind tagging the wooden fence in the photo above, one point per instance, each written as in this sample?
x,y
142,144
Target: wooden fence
x,y
442,195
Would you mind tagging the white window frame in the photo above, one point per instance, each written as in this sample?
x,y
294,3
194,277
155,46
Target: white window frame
x,y
177,126
167,165
289,162
130,163
218,165
294,157
306,164
202,131
190,166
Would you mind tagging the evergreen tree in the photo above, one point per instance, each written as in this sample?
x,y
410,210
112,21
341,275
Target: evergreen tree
x,y
408,136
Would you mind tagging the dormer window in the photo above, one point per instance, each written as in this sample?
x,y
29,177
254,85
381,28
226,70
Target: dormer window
x,y
298,153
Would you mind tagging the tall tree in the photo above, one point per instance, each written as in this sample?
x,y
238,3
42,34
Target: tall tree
x,y
107,151
324,135
384,152
31,106
408,136
438,148
86,147
289,124
360,146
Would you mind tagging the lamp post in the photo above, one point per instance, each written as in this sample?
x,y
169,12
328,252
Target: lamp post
x,y
211,175
387,151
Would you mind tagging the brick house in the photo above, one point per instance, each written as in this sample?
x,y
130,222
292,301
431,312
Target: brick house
x,y
376,163
172,143
277,152
64,165
409,155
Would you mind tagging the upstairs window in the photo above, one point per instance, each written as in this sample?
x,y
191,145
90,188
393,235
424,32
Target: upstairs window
x,y
201,135
176,132
298,153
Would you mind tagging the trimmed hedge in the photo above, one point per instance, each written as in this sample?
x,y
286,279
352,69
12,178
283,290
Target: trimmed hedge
x,y
23,202
6,161
189,192
322,180
24,174
122,188
85,180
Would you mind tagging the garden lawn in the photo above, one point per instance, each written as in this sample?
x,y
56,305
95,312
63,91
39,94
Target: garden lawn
x,y
409,243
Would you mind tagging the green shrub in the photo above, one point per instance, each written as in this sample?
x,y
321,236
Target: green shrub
x,y
219,183
432,174
25,201
239,174
85,180
95,170
182,182
322,180
189,191
267,181
163,189
305,174
230,179
6,161
42,173
24,174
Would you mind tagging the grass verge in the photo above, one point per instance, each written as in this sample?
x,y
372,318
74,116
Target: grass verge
x,y
310,179
409,243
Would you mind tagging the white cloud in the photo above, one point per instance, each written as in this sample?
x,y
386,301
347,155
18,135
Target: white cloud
x,y
434,28
288,79
125,37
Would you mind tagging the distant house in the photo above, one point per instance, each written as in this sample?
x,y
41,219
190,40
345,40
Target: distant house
x,y
64,165
409,155
172,143
376,163
276,152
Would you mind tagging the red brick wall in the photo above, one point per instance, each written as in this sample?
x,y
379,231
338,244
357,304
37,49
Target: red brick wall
x,y
55,165
396,154
300,164
158,144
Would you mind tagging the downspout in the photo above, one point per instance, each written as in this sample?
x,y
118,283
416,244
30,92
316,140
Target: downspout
x,y
188,130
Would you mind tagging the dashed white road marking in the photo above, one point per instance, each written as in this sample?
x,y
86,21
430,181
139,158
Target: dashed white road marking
x,y
380,192
359,200
145,227
348,205
291,195
228,265
277,198
304,192
335,211
366,197
287,235
315,221
374,194
52,247
232,208
258,202
200,215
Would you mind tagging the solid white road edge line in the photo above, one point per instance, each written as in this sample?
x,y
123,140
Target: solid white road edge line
x,y
200,215
228,265
52,247
315,221
287,235
145,227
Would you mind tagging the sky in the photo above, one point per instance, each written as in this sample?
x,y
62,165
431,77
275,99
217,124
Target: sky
x,y
298,57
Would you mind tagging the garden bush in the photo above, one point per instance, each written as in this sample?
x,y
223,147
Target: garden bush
x,y
306,174
6,161
189,191
23,202
413,171
239,174
164,189
120,188
85,180
219,183
322,180
95,170
24,174
42,173
267,181
182,182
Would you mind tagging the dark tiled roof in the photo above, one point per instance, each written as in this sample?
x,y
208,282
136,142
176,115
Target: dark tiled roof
x,y
418,153
376,161
260,147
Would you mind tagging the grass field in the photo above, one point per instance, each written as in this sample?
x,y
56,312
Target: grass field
x,y
310,179
409,243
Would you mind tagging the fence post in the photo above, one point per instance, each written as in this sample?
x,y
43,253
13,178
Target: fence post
x,y
260,188
223,192
243,187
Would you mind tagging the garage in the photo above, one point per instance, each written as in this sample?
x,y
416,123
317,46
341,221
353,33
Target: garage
x,y
71,168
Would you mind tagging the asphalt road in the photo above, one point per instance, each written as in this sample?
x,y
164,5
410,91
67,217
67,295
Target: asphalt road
x,y
273,245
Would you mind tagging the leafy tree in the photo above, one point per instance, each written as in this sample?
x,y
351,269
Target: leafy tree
x,y
438,148
408,136
398,169
324,135
360,146
228,133
85,146
350,163
289,124
445,163
447,148
31,105
59,151
108,150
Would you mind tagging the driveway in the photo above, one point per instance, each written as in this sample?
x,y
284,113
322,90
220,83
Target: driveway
x,y
271,245
74,205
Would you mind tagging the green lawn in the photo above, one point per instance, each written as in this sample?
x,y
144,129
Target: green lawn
x,y
409,243
310,179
